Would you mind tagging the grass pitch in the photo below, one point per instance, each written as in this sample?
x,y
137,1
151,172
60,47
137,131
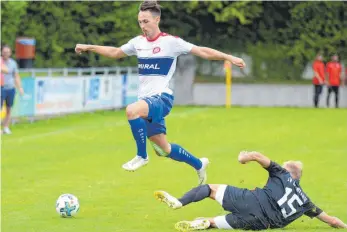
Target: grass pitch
x,y
83,154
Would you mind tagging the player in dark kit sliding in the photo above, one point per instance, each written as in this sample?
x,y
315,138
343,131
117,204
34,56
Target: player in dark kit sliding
x,y
279,203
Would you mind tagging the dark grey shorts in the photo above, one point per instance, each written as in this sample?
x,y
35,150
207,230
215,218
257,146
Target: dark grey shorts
x,y
246,213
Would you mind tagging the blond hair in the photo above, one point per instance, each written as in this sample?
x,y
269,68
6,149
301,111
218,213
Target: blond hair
x,y
294,168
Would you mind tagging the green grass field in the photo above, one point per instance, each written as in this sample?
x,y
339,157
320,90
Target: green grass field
x,y
83,154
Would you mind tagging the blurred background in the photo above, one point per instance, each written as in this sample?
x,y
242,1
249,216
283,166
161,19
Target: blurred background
x,y
278,40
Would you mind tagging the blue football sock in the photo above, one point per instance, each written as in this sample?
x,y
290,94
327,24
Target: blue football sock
x,y
180,154
138,127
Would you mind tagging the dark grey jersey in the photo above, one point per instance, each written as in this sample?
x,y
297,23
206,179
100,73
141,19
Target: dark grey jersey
x,y
282,199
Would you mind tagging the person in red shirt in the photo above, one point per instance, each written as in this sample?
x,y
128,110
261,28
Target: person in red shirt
x,y
334,70
318,78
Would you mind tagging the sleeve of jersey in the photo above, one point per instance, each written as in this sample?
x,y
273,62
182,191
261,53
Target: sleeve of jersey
x,y
129,48
275,168
182,46
313,211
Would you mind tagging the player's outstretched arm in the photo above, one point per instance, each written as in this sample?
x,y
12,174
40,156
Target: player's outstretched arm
x,y
212,54
245,157
112,52
332,221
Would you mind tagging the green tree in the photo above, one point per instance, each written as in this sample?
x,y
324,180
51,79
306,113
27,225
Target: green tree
x,y
289,34
314,27
11,14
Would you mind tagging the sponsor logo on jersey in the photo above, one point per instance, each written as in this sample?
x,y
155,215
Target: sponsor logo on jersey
x,y
155,66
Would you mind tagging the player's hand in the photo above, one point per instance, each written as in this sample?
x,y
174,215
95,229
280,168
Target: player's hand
x,y
238,62
243,157
21,91
81,48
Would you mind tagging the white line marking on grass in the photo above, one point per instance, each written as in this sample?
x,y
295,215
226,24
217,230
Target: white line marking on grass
x,y
117,124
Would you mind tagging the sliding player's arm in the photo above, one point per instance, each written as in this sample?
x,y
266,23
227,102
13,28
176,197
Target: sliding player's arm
x,y
331,221
315,212
111,52
212,54
245,157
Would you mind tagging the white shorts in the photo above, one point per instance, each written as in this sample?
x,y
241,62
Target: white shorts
x,y
221,221
220,193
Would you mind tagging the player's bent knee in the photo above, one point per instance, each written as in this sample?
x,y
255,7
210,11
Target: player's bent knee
x,y
219,190
137,109
221,222
213,188
159,151
131,111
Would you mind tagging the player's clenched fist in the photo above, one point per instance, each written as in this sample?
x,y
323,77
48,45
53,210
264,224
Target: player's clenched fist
x,y
243,157
81,48
238,62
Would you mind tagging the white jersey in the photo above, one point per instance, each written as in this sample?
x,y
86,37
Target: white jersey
x,y
156,61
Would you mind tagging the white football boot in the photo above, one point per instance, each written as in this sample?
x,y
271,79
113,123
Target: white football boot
x,y
171,201
7,131
197,224
135,163
202,171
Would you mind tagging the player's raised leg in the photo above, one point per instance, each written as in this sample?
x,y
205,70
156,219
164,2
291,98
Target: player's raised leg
x,y
176,152
135,113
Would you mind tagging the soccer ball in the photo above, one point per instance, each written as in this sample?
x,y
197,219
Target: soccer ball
x,y
67,205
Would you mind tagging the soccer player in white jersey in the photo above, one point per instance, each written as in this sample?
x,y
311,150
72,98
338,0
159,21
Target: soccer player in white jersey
x,y
157,54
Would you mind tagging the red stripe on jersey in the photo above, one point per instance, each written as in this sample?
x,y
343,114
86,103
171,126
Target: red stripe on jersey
x,y
160,34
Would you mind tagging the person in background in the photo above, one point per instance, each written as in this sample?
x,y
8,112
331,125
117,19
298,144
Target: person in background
x,y
334,70
4,70
318,79
10,81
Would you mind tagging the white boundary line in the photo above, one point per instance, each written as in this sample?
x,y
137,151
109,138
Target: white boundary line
x,y
117,124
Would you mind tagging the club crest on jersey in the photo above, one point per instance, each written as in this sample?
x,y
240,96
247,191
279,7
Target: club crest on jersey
x,y
156,50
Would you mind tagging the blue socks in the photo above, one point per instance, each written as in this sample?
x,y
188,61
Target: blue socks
x,y
138,127
181,155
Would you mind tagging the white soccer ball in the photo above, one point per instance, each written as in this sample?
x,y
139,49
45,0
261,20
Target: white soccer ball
x,y
67,205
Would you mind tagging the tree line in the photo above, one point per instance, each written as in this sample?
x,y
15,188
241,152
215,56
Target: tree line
x,y
282,35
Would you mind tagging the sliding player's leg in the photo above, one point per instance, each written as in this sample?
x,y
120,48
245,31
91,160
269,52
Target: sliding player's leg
x,y
194,195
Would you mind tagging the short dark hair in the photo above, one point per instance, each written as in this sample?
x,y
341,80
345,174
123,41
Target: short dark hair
x,y
151,6
5,46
